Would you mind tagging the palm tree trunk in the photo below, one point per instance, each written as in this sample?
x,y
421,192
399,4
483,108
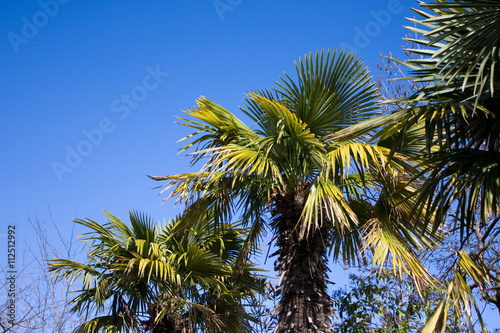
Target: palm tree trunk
x,y
167,324
305,305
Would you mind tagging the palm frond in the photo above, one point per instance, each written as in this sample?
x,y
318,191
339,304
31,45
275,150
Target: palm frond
x,y
459,295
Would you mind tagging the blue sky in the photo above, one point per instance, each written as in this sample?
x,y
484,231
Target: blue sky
x,y
79,82
90,89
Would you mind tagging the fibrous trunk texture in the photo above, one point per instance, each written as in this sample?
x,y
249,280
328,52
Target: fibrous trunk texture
x,y
167,324
305,305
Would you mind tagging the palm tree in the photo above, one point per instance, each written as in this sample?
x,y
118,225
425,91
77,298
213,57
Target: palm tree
x,y
459,108
315,193
459,105
145,277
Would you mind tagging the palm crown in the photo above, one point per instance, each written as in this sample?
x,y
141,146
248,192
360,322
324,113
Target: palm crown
x,y
290,170
147,277
459,106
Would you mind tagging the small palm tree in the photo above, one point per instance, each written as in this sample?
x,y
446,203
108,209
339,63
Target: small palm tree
x,y
145,277
315,191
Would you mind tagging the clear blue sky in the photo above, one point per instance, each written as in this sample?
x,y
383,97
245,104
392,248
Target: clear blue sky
x,y
90,89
